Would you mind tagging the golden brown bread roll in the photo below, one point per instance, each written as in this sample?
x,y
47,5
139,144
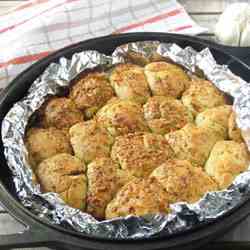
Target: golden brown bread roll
x,y
64,174
215,119
234,132
166,79
121,117
166,114
227,159
202,95
182,181
43,143
192,143
91,92
90,140
130,83
140,153
61,112
138,197
102,185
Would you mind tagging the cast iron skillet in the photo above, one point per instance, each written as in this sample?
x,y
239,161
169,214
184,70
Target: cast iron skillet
x,y
40,233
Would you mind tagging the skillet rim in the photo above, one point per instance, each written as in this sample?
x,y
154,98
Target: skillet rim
x,y
5,94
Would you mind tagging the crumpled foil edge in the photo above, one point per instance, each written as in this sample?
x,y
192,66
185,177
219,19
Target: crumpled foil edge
x,y
184,215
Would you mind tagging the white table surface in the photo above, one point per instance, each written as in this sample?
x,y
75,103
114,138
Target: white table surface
x,y
206,14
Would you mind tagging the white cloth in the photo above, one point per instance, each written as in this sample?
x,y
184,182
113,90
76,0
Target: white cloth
x,y
39,27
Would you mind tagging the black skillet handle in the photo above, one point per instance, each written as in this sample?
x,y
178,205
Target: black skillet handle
x,y
31,236
28,238
241,53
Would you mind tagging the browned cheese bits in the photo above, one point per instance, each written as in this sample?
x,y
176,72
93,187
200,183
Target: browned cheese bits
x,y
64,174
166,79
121,117
91,92
215,119
166,114
192,143
90,140
103,183
140,153
44,143
130,83
202,95
227,160
61,112
182,181
138,197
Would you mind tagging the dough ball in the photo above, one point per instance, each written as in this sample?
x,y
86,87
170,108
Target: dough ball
x,y
61,112
166,114
202,95
121,117
166,79
138,197
215,119
102,185
91,92
64,174
43,143
140,153
227,160
192,143
90,140
182,181
130,83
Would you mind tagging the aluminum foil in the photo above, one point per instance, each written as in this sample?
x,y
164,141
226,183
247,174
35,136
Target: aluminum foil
x,y
183,216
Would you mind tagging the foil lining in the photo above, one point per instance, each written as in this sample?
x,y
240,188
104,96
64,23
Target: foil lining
x,y
184,216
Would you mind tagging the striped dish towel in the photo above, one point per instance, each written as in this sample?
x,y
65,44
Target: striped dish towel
x,y
38,27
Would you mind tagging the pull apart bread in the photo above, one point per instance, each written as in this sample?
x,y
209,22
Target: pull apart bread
x,y
60,113
166,114
202,95
125,78
134,139
91,92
